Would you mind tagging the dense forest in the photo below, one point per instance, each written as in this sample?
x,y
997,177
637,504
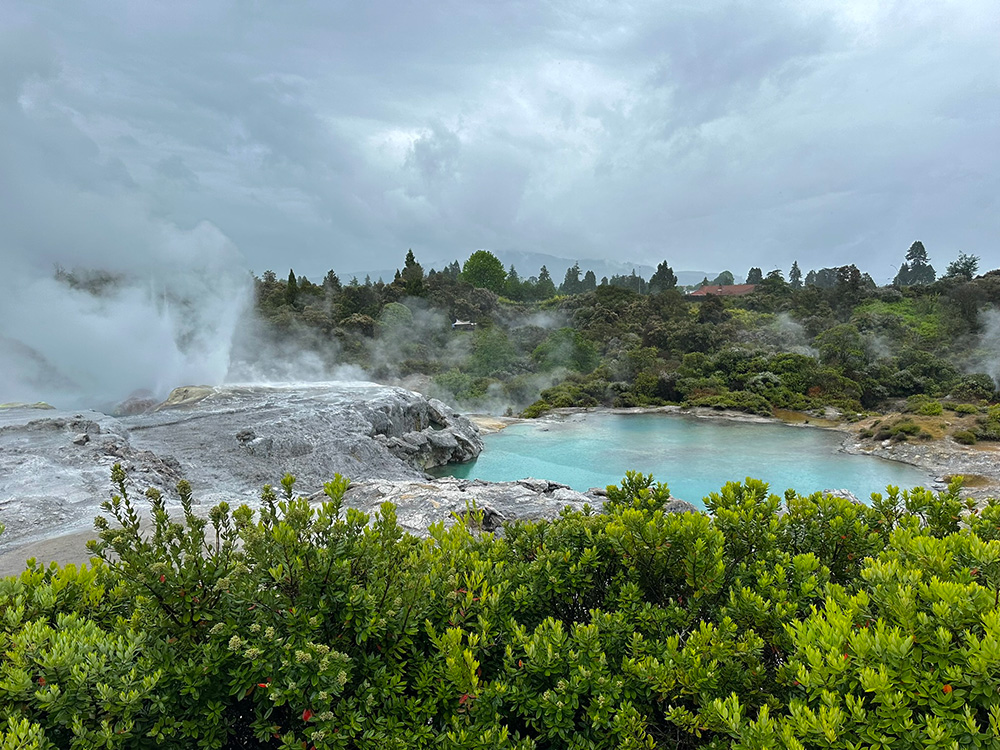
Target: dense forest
x,y
795,622
828,338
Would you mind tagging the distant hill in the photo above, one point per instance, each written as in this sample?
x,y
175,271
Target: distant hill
x,y
528,264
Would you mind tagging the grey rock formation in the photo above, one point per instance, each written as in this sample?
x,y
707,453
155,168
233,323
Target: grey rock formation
x,y
138,402
844,495
420,504
676,505
187,395
55,469
228,442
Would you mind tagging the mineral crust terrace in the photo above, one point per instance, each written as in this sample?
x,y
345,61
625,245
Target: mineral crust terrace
x,y
230,441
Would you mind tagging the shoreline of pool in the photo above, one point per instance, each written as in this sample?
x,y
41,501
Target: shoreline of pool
x,y
941,457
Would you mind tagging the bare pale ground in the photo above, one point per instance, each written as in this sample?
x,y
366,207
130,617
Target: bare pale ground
x,y
488,423
65,549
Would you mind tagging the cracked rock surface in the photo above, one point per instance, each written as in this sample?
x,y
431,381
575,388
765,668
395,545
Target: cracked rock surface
x,y
227,442
420,504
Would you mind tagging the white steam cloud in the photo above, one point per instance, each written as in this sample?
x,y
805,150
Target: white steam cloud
x,y
169,294
986,354
148,328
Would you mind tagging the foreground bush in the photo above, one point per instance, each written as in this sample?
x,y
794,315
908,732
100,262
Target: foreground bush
x,y
796,622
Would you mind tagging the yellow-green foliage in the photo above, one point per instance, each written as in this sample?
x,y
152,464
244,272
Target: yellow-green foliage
x,y
919,317
769,622
910,659
23,735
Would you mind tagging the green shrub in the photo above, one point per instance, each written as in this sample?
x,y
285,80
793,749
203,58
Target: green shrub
x,y
898,430
965,437
537,409
462,386
566,348
930,409
976,387
737,400
568,394
906,661
922,404
988,427
23,735
904,428
964,408
308,624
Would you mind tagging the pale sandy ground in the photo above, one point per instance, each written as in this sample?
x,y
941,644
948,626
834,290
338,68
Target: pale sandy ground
x,y
69,548
488,423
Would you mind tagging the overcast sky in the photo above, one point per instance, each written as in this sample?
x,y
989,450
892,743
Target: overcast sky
x,y
321,135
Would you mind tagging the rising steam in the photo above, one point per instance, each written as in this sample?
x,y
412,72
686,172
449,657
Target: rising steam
x,y
83,339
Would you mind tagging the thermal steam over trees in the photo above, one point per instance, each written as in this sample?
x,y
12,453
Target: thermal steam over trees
x,y
831,338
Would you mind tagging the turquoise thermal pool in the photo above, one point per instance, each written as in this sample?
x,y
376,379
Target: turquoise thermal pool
x,y
693,456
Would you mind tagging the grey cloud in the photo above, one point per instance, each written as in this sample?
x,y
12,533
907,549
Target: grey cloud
x,y
25,53
174,169
323,135
434,155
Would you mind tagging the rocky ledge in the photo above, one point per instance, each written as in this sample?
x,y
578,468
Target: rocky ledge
x,y
421,504
230,441
944,457
227,441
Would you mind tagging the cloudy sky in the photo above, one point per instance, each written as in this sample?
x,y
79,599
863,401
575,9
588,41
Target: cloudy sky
x,y
327,134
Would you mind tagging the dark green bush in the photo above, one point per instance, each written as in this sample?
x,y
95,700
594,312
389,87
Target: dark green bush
x,y
923,405
976,387
988,427
736,400
898,430
965,437
964,408
770,622
462,386
536,409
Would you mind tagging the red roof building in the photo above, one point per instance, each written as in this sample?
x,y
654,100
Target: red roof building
x,y
730,290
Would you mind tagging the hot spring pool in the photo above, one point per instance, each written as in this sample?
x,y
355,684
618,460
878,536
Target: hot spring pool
x,y
693,456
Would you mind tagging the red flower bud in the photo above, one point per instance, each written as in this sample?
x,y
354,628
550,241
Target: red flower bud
x,y
306,715
946,689
162,578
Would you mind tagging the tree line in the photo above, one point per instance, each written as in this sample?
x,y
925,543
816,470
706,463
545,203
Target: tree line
x,y
484,270
830,337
